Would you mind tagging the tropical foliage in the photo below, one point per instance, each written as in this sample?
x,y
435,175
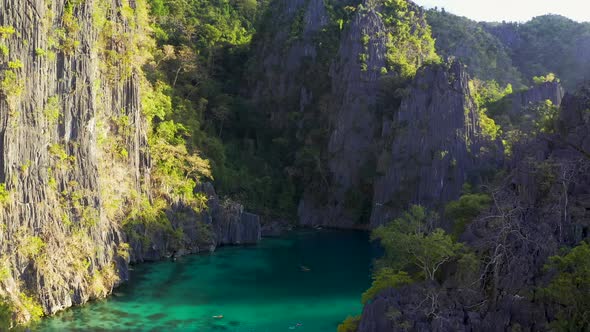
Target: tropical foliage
x,y
570,288
414,250
485,56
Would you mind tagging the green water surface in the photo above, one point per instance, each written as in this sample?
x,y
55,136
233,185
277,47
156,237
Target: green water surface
x,y
261,289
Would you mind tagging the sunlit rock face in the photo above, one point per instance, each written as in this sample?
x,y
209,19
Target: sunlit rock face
x,y
61,104
74,155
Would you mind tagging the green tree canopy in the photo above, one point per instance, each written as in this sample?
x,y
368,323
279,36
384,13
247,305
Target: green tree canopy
x,y
412,243
465,209
570,288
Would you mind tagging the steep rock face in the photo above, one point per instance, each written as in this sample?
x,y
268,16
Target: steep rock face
x,y
325,64
291,85
521,109
285,50
362,65
188,234
62,105
231,224
74,157
552,91
434,144
541,206
223,223
234,226
353,138
574,120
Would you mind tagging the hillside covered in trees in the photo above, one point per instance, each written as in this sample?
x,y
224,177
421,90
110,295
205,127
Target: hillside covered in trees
x,y
515,53
137,130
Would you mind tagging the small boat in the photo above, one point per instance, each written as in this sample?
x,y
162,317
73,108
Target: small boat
x,y
304,268
218,317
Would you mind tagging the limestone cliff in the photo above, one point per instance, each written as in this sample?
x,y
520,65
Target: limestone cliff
x,y
230,223
286,49
355,123
521,109
540,207
75,165
334,77
69,107
367,57
552,91
223,222
434,144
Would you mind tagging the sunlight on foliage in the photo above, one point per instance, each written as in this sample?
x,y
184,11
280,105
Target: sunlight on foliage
x,y
411,44
545,79
350,324
383,279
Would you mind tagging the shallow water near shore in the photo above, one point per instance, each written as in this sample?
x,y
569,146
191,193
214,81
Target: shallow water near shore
x,y
307,281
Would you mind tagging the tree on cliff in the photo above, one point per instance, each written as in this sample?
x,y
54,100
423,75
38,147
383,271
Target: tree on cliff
x,y
414,250
570,289
412,243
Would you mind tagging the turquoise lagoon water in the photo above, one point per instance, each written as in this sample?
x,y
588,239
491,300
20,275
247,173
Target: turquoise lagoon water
x,y
256,289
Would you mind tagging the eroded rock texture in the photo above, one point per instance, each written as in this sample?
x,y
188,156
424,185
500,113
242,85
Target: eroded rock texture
x,y
541,206
434,144
231,224
552,91
286,49
74,156
223,222
355,123
324,84
358,75
62,104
